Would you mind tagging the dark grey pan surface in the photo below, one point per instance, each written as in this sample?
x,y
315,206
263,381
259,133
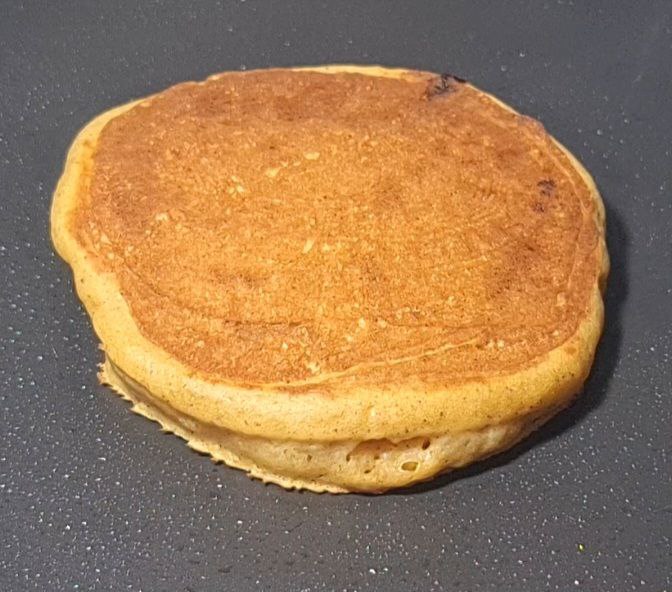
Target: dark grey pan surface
x,y
93,497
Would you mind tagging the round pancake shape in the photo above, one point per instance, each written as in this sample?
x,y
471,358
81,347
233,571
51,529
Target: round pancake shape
x,y
338,278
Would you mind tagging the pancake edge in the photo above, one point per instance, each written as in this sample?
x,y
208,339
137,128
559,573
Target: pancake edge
x,y
348,466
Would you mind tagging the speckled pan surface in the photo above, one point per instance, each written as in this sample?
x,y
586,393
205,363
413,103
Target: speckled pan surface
x,y
585,505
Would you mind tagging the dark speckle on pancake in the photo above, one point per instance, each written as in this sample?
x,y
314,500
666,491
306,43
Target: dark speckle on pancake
x,y
444,84
547,187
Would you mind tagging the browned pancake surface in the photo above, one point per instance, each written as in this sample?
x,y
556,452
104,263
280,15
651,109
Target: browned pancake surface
x,y
298,227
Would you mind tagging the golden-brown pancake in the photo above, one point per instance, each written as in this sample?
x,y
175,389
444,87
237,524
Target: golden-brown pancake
x,y
339,278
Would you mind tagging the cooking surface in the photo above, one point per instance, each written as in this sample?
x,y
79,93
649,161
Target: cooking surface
x,y
93,497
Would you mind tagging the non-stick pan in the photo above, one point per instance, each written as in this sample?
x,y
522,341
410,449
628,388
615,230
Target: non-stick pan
x,y
93,497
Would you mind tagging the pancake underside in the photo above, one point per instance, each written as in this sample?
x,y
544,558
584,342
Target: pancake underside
x,y
371,466
362,456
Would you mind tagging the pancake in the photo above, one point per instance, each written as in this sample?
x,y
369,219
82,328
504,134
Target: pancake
x,y
339,278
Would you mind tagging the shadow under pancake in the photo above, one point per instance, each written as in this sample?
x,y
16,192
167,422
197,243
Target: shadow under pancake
x,y
596,386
